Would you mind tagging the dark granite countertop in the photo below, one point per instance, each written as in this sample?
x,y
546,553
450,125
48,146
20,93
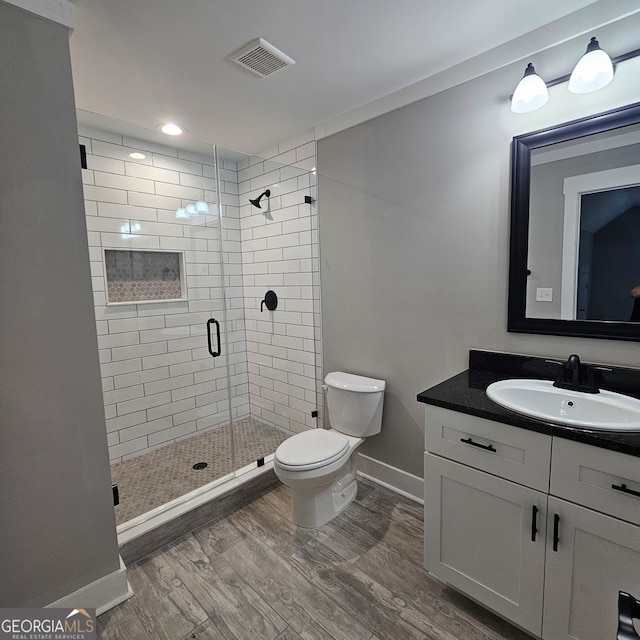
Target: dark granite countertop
x,y
465,393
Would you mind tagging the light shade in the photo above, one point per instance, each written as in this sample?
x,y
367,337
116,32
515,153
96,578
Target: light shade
x,y
202,207
593,71
181,214
531,92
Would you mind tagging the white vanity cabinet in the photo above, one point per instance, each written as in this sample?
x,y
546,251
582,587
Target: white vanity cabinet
x,y
597,552
478,539
492,530
486,487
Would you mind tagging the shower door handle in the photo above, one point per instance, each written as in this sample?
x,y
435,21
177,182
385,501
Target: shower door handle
x,y
211,321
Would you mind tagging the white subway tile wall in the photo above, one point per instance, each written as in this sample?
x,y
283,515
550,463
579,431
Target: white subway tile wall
x,y
283,346
159,382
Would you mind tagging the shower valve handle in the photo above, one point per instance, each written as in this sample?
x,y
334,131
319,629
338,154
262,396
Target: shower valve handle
x,y
271,300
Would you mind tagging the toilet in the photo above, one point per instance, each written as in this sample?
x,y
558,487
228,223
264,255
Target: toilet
x,y
319,465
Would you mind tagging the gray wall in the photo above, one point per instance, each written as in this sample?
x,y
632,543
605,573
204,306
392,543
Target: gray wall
x,y
414,236
57,527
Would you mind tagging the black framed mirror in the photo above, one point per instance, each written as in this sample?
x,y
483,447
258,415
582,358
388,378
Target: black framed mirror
x,y
575,228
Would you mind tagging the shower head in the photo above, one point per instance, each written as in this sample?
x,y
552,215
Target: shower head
x,y
256,201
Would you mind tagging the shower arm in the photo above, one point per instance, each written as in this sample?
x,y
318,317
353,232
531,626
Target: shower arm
x,y
256,201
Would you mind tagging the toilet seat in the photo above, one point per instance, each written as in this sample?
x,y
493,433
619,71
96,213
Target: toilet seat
x,y
311,449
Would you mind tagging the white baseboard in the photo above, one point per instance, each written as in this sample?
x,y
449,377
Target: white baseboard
x,y
406,484
102,594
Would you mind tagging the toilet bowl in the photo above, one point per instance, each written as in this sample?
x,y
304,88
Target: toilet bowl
x,y
319,466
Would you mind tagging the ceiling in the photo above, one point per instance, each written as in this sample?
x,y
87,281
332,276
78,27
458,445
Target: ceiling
x,y
151,61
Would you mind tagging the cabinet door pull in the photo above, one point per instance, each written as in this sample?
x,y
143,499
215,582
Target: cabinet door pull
x,y
534,522
556,531
625,489
486,447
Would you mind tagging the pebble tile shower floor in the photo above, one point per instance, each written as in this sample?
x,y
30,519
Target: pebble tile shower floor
x,y
152,479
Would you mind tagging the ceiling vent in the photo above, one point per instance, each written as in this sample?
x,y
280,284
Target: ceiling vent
x,y
261,58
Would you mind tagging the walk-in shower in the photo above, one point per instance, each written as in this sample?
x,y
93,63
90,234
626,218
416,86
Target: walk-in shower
x,y
201,381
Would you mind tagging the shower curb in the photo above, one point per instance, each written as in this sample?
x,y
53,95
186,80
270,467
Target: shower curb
x,y
215,509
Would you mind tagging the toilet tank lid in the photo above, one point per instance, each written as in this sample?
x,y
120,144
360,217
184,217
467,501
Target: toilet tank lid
x,y
351,382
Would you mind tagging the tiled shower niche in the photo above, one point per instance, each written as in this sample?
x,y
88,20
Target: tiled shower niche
x,y
143,276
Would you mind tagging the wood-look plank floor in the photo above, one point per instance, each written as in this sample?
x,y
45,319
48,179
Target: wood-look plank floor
x,y
253,575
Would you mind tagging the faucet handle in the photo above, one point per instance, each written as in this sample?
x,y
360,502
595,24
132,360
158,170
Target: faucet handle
x,y
560,378
593,377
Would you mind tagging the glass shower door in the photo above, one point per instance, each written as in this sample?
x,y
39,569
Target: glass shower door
x,y
269,241
154,239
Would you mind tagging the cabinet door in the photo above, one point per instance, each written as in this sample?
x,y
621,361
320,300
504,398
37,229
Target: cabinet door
x,y
479,539
597,556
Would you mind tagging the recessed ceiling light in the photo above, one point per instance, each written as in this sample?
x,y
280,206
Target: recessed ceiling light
x,y
172,129
136,155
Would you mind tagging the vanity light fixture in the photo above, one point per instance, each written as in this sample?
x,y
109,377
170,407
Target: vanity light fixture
x,y
593,71
531,92
171,129
181,214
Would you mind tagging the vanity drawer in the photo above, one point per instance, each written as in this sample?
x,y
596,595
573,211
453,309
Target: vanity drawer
x,y
502,450
587,475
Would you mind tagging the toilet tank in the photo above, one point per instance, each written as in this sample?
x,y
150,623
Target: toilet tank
x,y
354,403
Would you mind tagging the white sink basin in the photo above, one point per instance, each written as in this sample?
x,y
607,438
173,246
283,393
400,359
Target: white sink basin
x,y
605,411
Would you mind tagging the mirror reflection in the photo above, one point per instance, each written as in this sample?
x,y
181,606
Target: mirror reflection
x,y
584,229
